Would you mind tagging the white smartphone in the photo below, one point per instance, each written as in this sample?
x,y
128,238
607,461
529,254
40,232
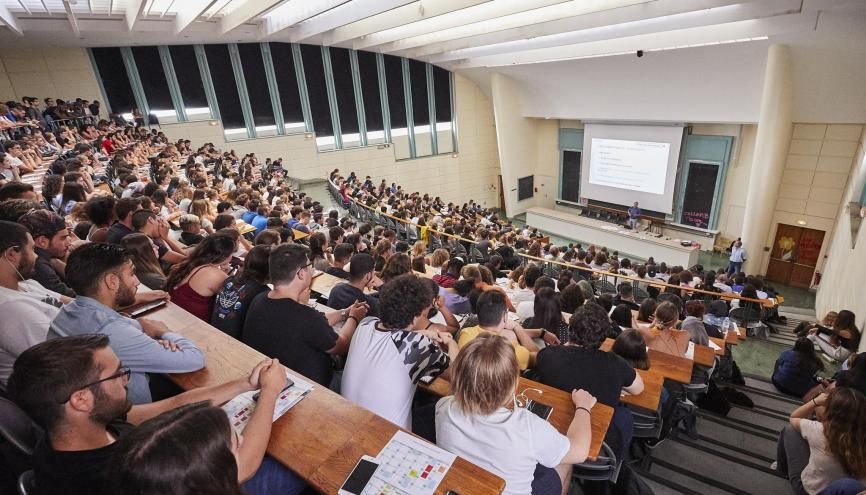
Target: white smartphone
x,y
359,477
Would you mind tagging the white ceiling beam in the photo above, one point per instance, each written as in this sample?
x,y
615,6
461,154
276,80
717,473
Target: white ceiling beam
x,y
413,12
294,11
133,11
246,12
70,16
477,13
682,38
632,13
662,16
188,11
348,13
520,19
10,21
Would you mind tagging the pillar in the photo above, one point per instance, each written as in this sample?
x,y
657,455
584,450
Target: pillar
x,y
768,163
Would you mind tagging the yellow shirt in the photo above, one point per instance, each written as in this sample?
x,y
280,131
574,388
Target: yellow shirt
x,y
469,333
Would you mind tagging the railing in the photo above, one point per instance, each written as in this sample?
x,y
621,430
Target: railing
x,y
601,279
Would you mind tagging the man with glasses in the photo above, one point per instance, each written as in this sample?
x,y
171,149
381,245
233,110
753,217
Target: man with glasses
x,y
104,278
75,388
32,305
280,323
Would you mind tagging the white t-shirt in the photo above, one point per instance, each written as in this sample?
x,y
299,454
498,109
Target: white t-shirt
x,y
383,368
507,443
27,314
526,309
823,468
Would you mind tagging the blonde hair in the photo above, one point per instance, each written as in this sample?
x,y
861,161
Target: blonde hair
x,y
439,258
419,249
485,375
471,272
666,315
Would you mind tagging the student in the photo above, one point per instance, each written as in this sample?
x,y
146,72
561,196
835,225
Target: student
x,y
625,295
493,318
646,312
839,341
694,323
279,323
547,315
513,443
104,278
191,230
631,346
239,290
450,273
361,276
795,369
668,339
123,210
195,281
387,358
438,307
813,454
75,389
342,255
52,240
32,305
142,251
580,364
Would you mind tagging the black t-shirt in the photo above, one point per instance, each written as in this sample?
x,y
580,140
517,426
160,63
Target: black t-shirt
x,y
603,374
337,272
232,303
117,232
73,473
344,295
297,335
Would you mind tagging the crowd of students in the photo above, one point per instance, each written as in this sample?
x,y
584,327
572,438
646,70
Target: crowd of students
x,y
120,206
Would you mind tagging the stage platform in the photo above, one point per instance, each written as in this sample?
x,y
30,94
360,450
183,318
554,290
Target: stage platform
x,y
614,237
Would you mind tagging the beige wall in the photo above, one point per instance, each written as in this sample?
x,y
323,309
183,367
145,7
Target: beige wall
x,y
816,172
845,270
63,73
471,175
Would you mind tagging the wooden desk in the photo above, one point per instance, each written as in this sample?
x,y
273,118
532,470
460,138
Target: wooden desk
x,y
299,234
676,368
719,342
704,355
563,408
323,436
324,282
652,391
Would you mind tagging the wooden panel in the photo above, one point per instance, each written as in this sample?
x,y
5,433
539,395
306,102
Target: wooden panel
x,y
785,243
801,275
809,247
779,271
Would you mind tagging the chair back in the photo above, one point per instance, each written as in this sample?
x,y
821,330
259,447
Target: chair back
x,y
605,468
17,428
26,485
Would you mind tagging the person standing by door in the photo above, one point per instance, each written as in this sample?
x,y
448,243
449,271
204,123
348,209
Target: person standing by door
x,y
738,257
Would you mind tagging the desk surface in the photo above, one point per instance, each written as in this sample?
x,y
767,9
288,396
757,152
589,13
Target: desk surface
x,y
563,408
678,369
323,436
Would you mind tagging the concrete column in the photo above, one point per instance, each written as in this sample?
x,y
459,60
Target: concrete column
x,y
768,163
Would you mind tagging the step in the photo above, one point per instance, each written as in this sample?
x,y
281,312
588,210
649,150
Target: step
x,y
721,450
739,425
660,489
677,481
759,447
711,470
757,418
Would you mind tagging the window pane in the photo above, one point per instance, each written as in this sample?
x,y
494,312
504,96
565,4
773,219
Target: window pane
x,y
397,106
113,74
226,90
420,108
257,88
153,81
345,91
442,91
287,84
570,180
189,79
372,103
314,74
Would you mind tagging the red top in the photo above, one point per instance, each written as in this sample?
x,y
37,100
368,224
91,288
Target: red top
x,y
184,296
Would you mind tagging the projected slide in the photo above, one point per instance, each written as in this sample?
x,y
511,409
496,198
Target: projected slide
x,y
634,165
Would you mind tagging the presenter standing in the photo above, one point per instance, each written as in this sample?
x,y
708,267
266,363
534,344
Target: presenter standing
x,y
633,214
738,256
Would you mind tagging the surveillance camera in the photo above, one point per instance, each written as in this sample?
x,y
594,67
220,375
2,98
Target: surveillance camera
x,y
639,53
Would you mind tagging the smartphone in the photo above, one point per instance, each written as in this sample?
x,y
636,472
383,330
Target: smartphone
x,y
288,386
543,411
359,477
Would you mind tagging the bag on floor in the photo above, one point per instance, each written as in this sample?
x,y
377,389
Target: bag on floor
x,y
736,375
714,400
734,396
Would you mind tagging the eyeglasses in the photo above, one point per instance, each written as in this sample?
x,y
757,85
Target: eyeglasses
x,y
122,372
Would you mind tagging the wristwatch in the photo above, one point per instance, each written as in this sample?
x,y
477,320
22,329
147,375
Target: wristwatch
x,y
543,331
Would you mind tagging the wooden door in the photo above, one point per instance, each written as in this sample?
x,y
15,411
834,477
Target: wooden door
x,y
794,255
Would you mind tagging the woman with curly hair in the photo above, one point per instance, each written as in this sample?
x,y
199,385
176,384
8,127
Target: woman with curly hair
x,y
813,454
398,264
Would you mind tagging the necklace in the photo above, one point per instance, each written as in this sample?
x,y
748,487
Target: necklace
x,y
676,347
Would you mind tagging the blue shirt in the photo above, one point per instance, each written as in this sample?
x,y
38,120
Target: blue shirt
x,y
260,223
633,212
248,217
133,347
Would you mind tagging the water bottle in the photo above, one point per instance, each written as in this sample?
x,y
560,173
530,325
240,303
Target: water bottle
x,y
726,326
